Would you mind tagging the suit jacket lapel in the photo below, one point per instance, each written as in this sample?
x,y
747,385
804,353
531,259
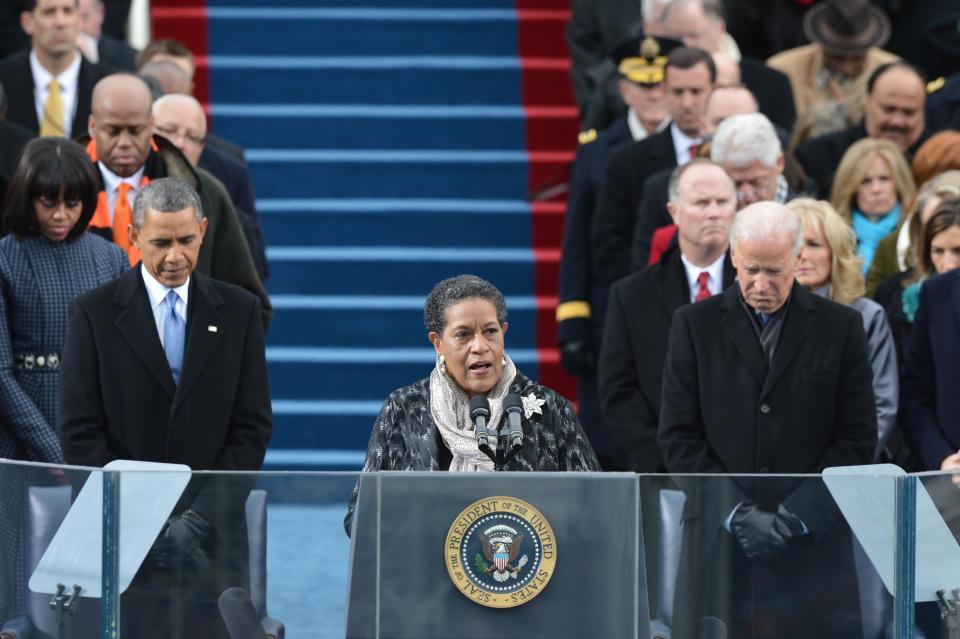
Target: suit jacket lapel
x,y
796,325
137,326
85,81
956,300
737,326
24,109
201,340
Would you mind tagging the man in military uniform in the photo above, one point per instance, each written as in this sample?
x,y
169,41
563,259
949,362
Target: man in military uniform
x,y
580,315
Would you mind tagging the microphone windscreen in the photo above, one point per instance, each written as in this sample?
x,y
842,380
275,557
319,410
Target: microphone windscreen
x,y
239,615
711,628
512,403
479,407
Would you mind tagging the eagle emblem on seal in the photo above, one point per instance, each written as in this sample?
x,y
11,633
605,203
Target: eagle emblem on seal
x,y
501,545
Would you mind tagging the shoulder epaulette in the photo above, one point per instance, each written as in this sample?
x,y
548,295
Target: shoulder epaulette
x,y
932,86
573,310
586,137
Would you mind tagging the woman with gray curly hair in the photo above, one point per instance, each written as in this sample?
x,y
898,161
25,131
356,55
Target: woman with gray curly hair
x,y
427,425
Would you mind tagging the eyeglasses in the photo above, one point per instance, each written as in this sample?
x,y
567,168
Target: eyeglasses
x,y
172,133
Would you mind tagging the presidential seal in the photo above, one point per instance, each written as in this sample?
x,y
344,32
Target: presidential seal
x,y
500,552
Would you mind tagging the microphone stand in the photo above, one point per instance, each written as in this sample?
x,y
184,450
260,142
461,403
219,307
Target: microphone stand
x,y
65,605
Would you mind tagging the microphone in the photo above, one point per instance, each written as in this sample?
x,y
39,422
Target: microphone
x,y
513,406
479,414
710,628
239,616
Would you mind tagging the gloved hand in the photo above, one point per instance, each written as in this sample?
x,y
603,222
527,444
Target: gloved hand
x,y
577,357
760,533
789,525
185,542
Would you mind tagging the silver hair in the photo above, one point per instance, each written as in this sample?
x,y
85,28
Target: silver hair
x,y
766,221
743,139
166,195
454,290
712,9
673,188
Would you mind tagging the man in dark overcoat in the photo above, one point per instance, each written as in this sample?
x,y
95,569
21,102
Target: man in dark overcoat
x,y
167,365
766,379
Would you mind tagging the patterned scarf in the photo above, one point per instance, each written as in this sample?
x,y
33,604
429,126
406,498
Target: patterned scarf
x,y
450,409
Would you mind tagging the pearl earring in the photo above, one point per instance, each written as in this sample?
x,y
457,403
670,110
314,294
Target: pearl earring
x,y
441,364
503,360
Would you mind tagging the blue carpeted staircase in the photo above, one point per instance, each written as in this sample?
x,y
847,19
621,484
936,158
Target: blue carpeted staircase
x,y
388,147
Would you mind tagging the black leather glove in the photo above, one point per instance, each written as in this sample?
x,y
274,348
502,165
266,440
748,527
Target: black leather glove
x,y
759,532
185,542
577,357
789,525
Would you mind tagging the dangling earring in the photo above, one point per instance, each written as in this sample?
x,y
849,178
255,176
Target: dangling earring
x,y
441,364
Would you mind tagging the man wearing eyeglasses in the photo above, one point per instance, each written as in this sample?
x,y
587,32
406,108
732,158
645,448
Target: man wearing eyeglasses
x,y
181,120
128,156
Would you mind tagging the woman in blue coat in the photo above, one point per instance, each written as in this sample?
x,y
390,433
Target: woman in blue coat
x,y
46,259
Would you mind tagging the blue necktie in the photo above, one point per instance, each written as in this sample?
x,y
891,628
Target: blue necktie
x,y
764,318
174,332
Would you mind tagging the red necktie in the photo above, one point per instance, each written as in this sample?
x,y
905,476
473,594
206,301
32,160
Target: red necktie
x,y
703,292
693,149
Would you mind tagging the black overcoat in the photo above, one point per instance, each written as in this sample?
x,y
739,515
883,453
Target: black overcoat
x,y
726,411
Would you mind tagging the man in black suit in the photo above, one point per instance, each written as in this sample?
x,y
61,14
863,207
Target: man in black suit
x,y
181,119
766,378
100,47
640,63
167,365
894,110
688,78
701,23
702,203
49,86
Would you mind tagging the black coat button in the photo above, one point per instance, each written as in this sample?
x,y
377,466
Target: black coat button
x,y
765,408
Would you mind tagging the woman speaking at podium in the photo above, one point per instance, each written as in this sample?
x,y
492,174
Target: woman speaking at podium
x,y
475,412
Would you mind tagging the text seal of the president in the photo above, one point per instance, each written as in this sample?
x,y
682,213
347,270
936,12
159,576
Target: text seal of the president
x,y
500,552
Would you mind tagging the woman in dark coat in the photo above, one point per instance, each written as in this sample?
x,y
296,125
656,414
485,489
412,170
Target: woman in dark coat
x,y
427,425
46,259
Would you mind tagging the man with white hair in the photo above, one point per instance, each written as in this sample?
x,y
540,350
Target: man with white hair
x,y
748,147
766,378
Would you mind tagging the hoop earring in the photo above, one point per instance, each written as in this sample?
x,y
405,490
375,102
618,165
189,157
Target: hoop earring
x,y
441,364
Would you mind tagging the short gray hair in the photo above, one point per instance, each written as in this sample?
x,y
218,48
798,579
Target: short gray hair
x,y
166,195
743,139
454,290
712,9
673,188
766,221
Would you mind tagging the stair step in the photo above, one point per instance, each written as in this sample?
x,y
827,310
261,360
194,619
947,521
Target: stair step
x,y
362,126
278,459
418,222
376,322
393,270
386,80
355,31
466,4
304,373
340,173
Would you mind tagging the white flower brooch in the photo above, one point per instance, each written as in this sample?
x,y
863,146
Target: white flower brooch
x,y
531,405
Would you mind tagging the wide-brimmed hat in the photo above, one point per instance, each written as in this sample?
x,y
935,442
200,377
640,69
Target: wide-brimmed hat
x,y
847,27
643,58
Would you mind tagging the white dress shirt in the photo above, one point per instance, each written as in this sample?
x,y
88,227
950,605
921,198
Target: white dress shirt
x,y
68,90
111,184
714,276
681,144
637,130
157,292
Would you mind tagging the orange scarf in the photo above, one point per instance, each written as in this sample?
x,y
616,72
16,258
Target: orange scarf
x,y
122,213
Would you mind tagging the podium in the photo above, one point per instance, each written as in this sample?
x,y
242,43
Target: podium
x,y
480,555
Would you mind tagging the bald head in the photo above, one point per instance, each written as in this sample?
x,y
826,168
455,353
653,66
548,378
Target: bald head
x,y
728,101
170,75
180,119
728,71
121,123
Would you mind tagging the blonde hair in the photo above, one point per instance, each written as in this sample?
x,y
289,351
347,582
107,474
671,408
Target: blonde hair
x,y
854,166
846,276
